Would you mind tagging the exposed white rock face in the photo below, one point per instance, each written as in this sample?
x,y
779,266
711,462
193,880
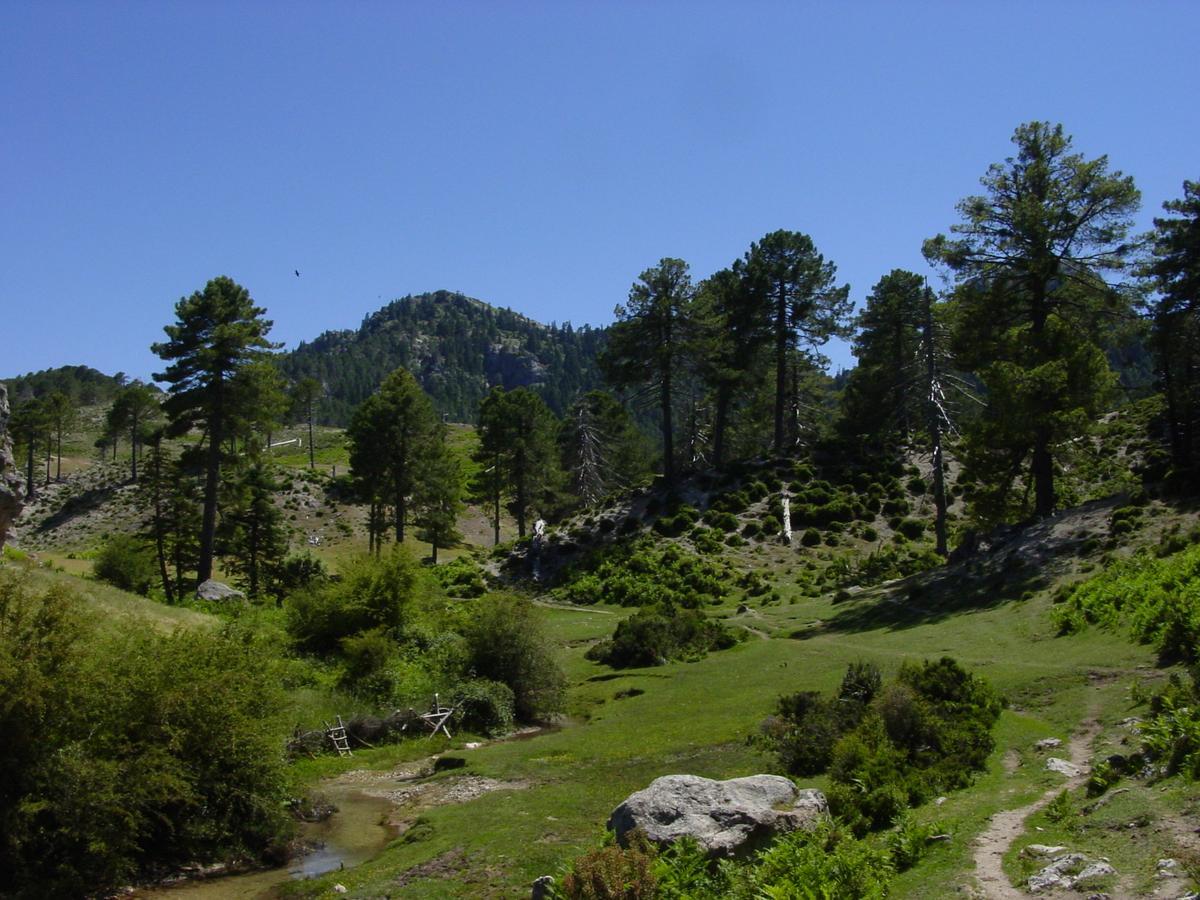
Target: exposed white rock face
x,y
724,817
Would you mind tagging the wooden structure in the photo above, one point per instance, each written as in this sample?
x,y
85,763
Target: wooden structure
x,y
337,735
436,718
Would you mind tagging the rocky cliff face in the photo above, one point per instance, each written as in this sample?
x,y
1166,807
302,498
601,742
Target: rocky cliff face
x,y
10,480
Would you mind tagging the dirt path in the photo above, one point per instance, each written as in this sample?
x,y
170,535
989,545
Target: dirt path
x,y
1005,827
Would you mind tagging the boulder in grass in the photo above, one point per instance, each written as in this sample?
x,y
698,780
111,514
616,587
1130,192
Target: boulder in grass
x,y
726,818
218,592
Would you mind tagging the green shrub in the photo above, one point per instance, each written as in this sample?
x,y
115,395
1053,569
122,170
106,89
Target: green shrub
x,y
373,593
126,562
300,571
725,521
612,873
887,746
656,635
150,751
751,530
771,526
486,707
811,537
369,664
505,643
462,577
911,528
1158,600
674,525
917,486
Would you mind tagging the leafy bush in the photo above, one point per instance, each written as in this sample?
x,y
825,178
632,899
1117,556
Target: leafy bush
x,y
149,750
463,578
485,706
640,574
505,643
373,593
613,873
911,528
725,521
369,664
126,562
1158,600
771,526
674,525
888,746
811,537
1172,736
300,571
653,636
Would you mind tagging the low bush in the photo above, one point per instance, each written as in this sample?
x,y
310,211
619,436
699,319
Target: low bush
x,y
126,562
373,593
638,573
505,643
887,747
725,521
1157,599
657,635
486,707
150,751
463,578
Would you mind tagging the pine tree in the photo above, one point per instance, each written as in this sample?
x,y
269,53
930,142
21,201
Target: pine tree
x,y
218,332
438,496
793,288
390,437
306,396
649,343
1027,260
1175,273
254,537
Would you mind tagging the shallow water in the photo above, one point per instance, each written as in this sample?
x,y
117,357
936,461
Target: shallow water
x,y
354,834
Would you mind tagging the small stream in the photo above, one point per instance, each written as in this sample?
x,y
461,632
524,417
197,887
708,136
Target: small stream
x,y
354,834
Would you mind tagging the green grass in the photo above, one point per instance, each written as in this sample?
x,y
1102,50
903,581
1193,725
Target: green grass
x,y
696,717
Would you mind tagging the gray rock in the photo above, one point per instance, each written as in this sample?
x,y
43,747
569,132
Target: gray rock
x,y
216,591
543,888
1047,744
1042,850
11,495
724,817
1093,870
1063,767
1056,875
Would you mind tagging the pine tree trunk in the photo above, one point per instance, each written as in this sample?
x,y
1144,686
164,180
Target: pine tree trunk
x,y
935,430
208,521
312,458
668,429
159,542
722,418
781,348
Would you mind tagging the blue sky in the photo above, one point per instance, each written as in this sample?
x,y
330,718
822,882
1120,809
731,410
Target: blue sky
x,y
535,155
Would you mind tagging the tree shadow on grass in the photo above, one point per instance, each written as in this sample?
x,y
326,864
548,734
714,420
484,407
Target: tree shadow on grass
x,y
932,597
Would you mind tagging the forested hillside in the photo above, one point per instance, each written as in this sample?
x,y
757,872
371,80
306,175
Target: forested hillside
x,y
83,385
457,348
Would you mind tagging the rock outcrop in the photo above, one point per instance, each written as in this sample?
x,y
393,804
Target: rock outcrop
x,y
218,592
11,497
725,818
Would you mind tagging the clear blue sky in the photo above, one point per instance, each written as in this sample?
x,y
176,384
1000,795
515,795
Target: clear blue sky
x,y
534,155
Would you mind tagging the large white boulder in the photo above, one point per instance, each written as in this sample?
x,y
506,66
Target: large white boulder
x,y
724,817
